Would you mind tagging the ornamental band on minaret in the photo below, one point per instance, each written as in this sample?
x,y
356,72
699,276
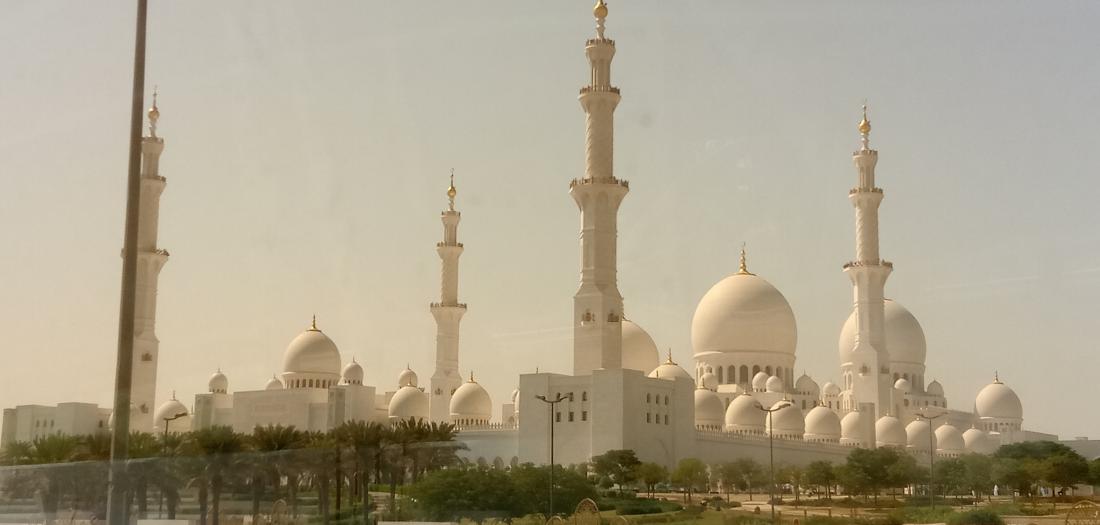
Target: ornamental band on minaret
x,y
867,375
448,313
597,305
150,261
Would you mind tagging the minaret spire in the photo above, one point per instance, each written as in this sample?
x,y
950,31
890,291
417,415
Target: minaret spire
x,y
448,313
597,304
151,259
868,374
743,267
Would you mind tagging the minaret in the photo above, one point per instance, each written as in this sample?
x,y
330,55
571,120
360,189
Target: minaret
x,y
150,261
597,305
448,313
869,372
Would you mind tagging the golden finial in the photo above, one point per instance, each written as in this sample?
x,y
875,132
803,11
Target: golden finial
x,y
313,325
743,267
451,191
670,361
154,114
472,376
173,395
600,9
865,125
996,377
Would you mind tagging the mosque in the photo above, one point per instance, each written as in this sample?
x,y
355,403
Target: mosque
x,y
740,392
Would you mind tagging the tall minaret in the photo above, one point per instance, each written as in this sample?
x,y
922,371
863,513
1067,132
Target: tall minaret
x,y
868,373
150,261
597,305
448,313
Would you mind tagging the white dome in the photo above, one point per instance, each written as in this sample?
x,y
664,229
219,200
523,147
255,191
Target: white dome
x,y
352,373
312,352
774,384
903,385
934,389
822,424
998,401
515,396
759,381
471,402
904,336
169,410
218,384
975,440
917,435
639,350
670,370
830,389
949,440
709,411
409,402
274,384
851,428
889,432
407,378
806,385
743,313
709,380
744,415
787,421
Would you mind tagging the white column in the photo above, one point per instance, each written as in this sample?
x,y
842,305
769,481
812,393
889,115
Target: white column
x,y
870,366
597,305
151,259
448,314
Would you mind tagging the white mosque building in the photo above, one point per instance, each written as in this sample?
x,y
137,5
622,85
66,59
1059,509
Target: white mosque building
x,y
620,394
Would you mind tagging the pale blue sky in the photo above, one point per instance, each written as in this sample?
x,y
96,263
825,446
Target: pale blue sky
x,y
308,147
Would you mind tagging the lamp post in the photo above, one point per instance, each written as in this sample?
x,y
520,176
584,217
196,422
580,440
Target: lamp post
x,y
931,455
771,450
551,403
164,452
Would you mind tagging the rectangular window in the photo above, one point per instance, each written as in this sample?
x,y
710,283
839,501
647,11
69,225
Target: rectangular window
x,y
584,415
557,417
666,419
648,417
570,416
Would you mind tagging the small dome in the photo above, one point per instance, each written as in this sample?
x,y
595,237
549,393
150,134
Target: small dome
x,y
917,435
905,341
759,381
407,378
949,440
471,402
274,384
709,381
709,412
976,441
744,415
173,409
639,350
934,389
806,385
822,424
670,370
889,432
830,389
352,373
774,384
998,401
743,313
903,385
787,421
312,352
218,384
851,428
409,402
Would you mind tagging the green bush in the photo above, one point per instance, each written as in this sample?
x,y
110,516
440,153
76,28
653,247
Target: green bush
x,y
633,508
921,514
976,517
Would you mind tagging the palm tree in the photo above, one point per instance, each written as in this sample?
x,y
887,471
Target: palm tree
x,y
217,447
142,467
171,470
271,443
321,458
365,441
50,450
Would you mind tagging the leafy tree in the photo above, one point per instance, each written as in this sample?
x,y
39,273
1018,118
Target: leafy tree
x,y
793,475
1094,472
531,485
821,474
949,475
1023,465
729,475
651,474
1066,470
690,475
620,466
978,476
1020,475
871,470
751,475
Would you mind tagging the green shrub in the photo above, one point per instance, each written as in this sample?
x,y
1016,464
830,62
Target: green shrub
x,y
976,517
633,508
921,514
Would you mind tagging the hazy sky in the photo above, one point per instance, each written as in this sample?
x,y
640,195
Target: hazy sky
x,y
308,146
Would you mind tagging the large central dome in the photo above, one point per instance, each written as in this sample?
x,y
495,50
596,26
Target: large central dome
x,y
312,352
905,341
743,313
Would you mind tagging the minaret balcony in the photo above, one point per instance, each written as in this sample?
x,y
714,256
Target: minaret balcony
x,y
864,264
599,180
599,89
444,305
442,244
854,191
597,41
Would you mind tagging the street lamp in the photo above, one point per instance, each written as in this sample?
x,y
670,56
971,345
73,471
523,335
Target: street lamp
x,y
550,403
164,452
931,455
771,449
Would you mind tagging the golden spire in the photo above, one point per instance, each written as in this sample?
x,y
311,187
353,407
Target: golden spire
x,y
154,114
996,377
451,191
472,376
670,361
865,128
313,325
600,12
743,268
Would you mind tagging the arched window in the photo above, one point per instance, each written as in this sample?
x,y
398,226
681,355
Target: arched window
x,y
584,396
896,376
648,417
779,372
666,419
906,376
768,370
755,370
744,374
648,399
666,400
906,402
719,375
731,376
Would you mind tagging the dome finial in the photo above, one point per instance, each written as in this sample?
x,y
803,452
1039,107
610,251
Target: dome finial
x,y
865,128
451,191
154,114
600,12
472,376
670,361
743,267
173,395
313,324
996,377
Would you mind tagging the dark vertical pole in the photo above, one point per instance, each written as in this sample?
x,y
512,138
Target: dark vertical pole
x,y
116,496
551,405
771,462
931,465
